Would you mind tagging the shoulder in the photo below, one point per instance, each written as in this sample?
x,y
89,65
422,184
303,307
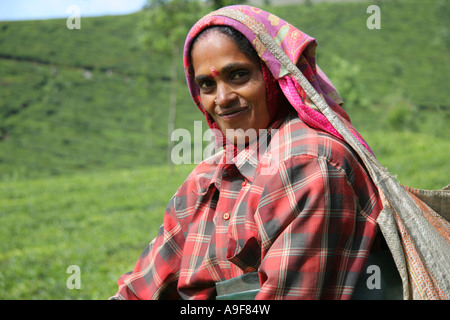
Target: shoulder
x,y
296,141
315,160
305,154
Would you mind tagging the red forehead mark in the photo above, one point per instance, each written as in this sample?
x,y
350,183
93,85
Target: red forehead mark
x,y
214,72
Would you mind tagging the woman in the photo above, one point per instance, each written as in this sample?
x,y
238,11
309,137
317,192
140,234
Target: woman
x,y
301,213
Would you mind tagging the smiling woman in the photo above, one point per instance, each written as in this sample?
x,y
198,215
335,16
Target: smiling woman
x,y
307,225
299,218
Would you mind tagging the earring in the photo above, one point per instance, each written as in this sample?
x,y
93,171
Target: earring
x,y
215,101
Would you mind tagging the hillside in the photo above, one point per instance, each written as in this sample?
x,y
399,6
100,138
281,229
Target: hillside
x,y
98,221
83,138
93,99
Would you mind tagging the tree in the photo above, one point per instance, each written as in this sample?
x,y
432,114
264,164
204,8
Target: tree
x,y
222,3
170,21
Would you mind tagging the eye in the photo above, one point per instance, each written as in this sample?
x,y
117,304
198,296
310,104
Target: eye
x,y
206,85
240,75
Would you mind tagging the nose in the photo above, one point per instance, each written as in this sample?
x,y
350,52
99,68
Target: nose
x,y
225,95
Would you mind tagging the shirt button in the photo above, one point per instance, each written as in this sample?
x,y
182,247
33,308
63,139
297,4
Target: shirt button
x,y
226,216
244,183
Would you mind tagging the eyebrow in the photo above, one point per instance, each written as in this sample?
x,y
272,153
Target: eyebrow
x,y
225,69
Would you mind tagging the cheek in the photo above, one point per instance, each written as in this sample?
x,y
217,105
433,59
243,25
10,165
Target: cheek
x,y
205,101
261,97
259,88
208,104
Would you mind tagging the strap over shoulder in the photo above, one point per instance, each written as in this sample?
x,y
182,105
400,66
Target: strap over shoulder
x,y
417,235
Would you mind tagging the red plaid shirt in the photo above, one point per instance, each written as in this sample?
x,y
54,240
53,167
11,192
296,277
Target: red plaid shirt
x,y
306,224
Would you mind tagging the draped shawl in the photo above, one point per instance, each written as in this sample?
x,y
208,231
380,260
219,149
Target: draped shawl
x,y
414,222
298,47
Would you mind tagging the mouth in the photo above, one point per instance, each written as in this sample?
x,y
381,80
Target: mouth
x,y
232,114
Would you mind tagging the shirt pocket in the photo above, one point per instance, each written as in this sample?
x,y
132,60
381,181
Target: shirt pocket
x,y
244,248
246,257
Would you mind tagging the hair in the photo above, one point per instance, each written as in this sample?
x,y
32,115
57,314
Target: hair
x,y
241,41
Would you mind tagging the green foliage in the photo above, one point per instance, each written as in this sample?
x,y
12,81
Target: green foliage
x,y
95,98
345,76
417,159
100,222
401,116
60,116
217,4
410,52
166,23
83,118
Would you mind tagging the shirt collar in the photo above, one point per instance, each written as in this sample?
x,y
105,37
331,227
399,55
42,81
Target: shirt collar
x,y
244,163
247,159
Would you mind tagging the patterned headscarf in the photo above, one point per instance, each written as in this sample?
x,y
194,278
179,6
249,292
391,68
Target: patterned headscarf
x,y
417,230
299,48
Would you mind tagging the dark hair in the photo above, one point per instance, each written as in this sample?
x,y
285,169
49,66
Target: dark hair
x,y
240,40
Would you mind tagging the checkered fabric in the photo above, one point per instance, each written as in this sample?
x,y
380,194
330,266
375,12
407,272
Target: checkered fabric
x,y
302,213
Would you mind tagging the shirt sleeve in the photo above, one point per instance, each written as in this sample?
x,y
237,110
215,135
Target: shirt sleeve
x,y
316,232
155,275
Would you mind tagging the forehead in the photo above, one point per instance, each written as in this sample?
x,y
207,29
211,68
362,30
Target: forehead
x,y
214,50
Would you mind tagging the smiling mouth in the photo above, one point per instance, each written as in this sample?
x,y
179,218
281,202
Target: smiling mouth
x,y
229,115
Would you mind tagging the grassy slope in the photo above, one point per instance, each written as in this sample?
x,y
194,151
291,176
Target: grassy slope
x,y
100,222
394,80
81,100
58,119
60,122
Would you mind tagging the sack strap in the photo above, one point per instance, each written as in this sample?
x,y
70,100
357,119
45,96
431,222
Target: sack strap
x,y
398,205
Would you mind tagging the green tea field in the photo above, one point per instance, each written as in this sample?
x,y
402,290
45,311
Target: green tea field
x,y
84,177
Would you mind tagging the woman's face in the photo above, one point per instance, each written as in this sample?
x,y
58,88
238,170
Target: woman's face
x,y
232,87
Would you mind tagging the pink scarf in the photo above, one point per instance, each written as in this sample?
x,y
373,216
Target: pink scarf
x,y
299,47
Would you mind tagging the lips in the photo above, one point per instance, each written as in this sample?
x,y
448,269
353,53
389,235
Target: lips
x,y
232,114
